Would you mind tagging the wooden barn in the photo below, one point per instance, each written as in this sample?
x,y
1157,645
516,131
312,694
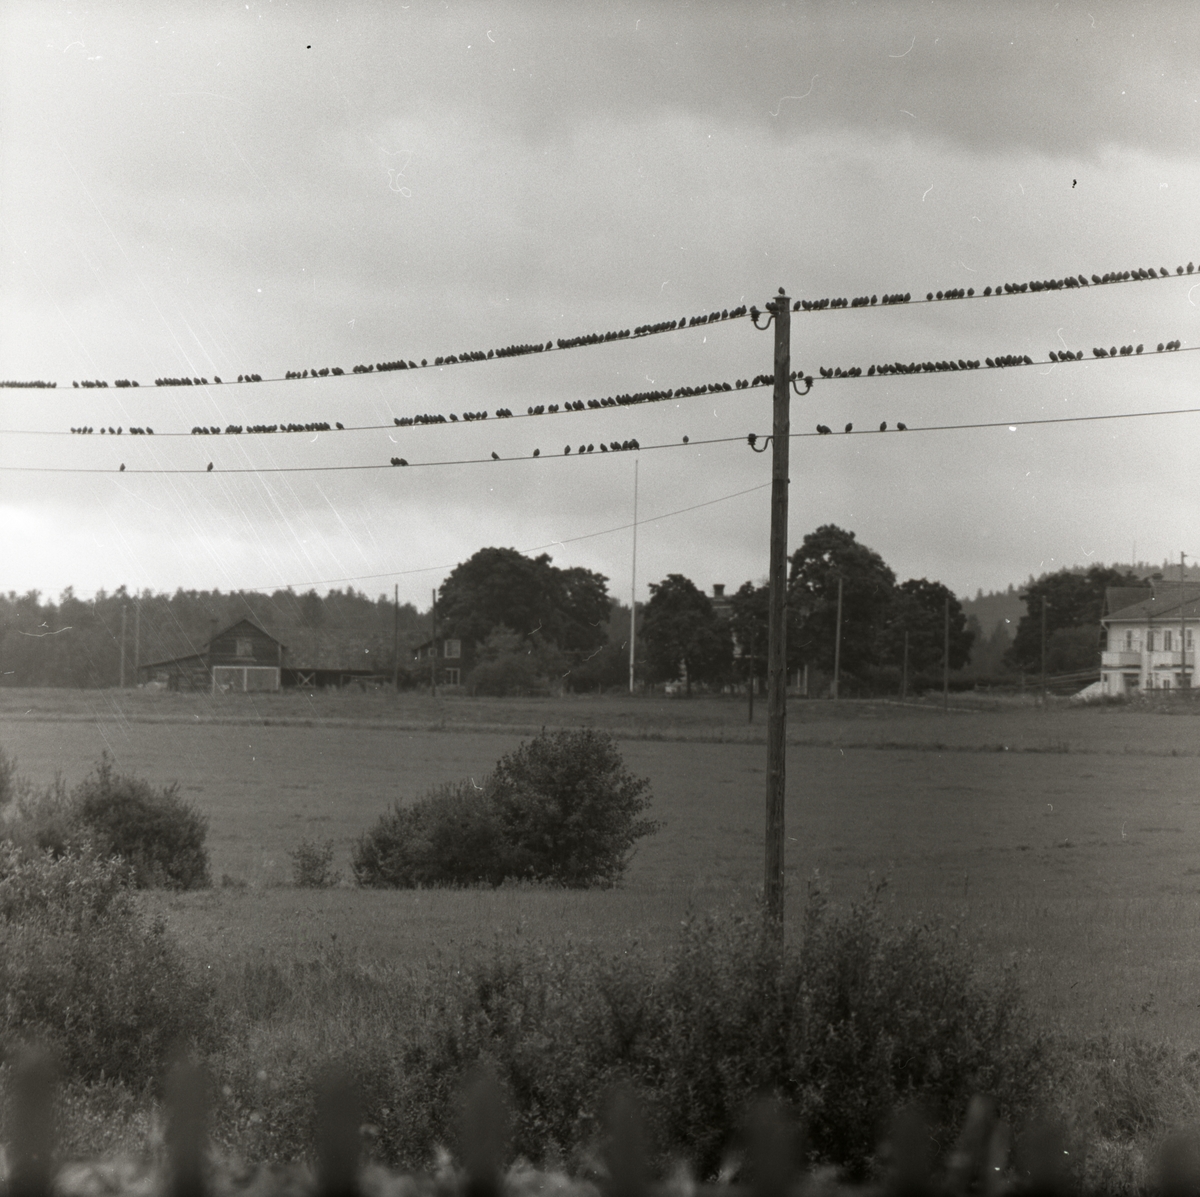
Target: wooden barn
x,y
240,659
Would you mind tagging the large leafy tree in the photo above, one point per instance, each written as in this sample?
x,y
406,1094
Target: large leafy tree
x,y
1074,602
681,629
504,588
918,607
867,584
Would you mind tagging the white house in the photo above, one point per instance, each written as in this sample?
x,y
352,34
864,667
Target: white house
x,y
1152,634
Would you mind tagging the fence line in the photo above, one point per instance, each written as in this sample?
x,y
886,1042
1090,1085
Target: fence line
x,y
770,1162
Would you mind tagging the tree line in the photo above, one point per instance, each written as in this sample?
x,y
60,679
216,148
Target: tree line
x,y
530,626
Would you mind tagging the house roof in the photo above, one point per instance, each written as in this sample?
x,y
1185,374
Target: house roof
x,y
1117,598
1168,602
249,623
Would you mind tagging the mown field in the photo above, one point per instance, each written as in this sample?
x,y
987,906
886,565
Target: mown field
x,y
1065,839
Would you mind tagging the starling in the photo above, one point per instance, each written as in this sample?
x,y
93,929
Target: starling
x,y
122,467
403,462
902,427
591,448
567,451
583,448
1160,347
603,447
849,427
495,456
537,452
1139,349
685,440
340,426
883,426
210,467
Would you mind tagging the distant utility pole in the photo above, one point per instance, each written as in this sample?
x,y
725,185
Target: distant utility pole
x,y
633,587
137,640
123,609
946,659
904,672
433,647
396,638
837,644
1183,674
781,310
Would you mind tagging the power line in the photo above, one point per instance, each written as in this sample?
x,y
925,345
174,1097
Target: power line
x,y
589,451
1001,291
756,438
705,390
440,362
425,569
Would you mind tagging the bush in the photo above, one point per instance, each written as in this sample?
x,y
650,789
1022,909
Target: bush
x,y
568,808
560,809
85,973
450,837
312,865
158,834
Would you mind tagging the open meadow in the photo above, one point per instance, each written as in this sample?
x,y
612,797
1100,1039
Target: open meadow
x,y
1066,839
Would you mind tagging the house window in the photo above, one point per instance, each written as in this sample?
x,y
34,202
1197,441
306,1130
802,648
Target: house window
x,y
1166,642
451,677
1128,640
245,647
1188,641
453,651
1149,642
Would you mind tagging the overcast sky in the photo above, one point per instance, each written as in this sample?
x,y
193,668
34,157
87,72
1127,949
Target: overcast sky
x,y
214,189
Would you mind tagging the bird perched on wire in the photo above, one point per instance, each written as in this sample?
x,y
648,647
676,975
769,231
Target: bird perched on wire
x,y
495,456
902,427
883,426
583,448
591,448
567,451
824,430
537,452
122,467
341,427
849,428
685,440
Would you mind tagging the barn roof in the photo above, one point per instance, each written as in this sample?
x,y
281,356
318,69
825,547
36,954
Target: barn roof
x,y
247,623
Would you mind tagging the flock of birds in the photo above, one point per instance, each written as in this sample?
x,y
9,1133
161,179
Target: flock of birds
x,y
237,429
825,430
1000,361
1068,282
611,447
38,383
86,430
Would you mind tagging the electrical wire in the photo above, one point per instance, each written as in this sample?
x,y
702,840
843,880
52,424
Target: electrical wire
x,y
825,374
687,442
1001,291
401,364
564,540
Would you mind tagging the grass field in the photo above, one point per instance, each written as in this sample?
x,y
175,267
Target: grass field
x,y
1066,839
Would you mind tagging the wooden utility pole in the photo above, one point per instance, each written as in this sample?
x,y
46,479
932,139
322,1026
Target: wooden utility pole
x,y
946,659
781,309
904,672
396,638
433,647
123,610
837,644
633,588
137,640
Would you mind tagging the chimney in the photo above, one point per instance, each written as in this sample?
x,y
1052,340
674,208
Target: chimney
x,y
718,590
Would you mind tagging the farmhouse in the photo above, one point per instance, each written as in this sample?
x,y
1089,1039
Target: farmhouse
x,y
1152,633
431,653
240,658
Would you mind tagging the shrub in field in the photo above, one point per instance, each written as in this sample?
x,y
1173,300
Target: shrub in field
x,y
312,865
561,809
84,972
569,808
157,833
450,837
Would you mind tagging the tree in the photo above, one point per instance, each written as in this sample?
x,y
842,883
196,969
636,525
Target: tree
x,y
867,582
682,630
504,588
1071,600
918,607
